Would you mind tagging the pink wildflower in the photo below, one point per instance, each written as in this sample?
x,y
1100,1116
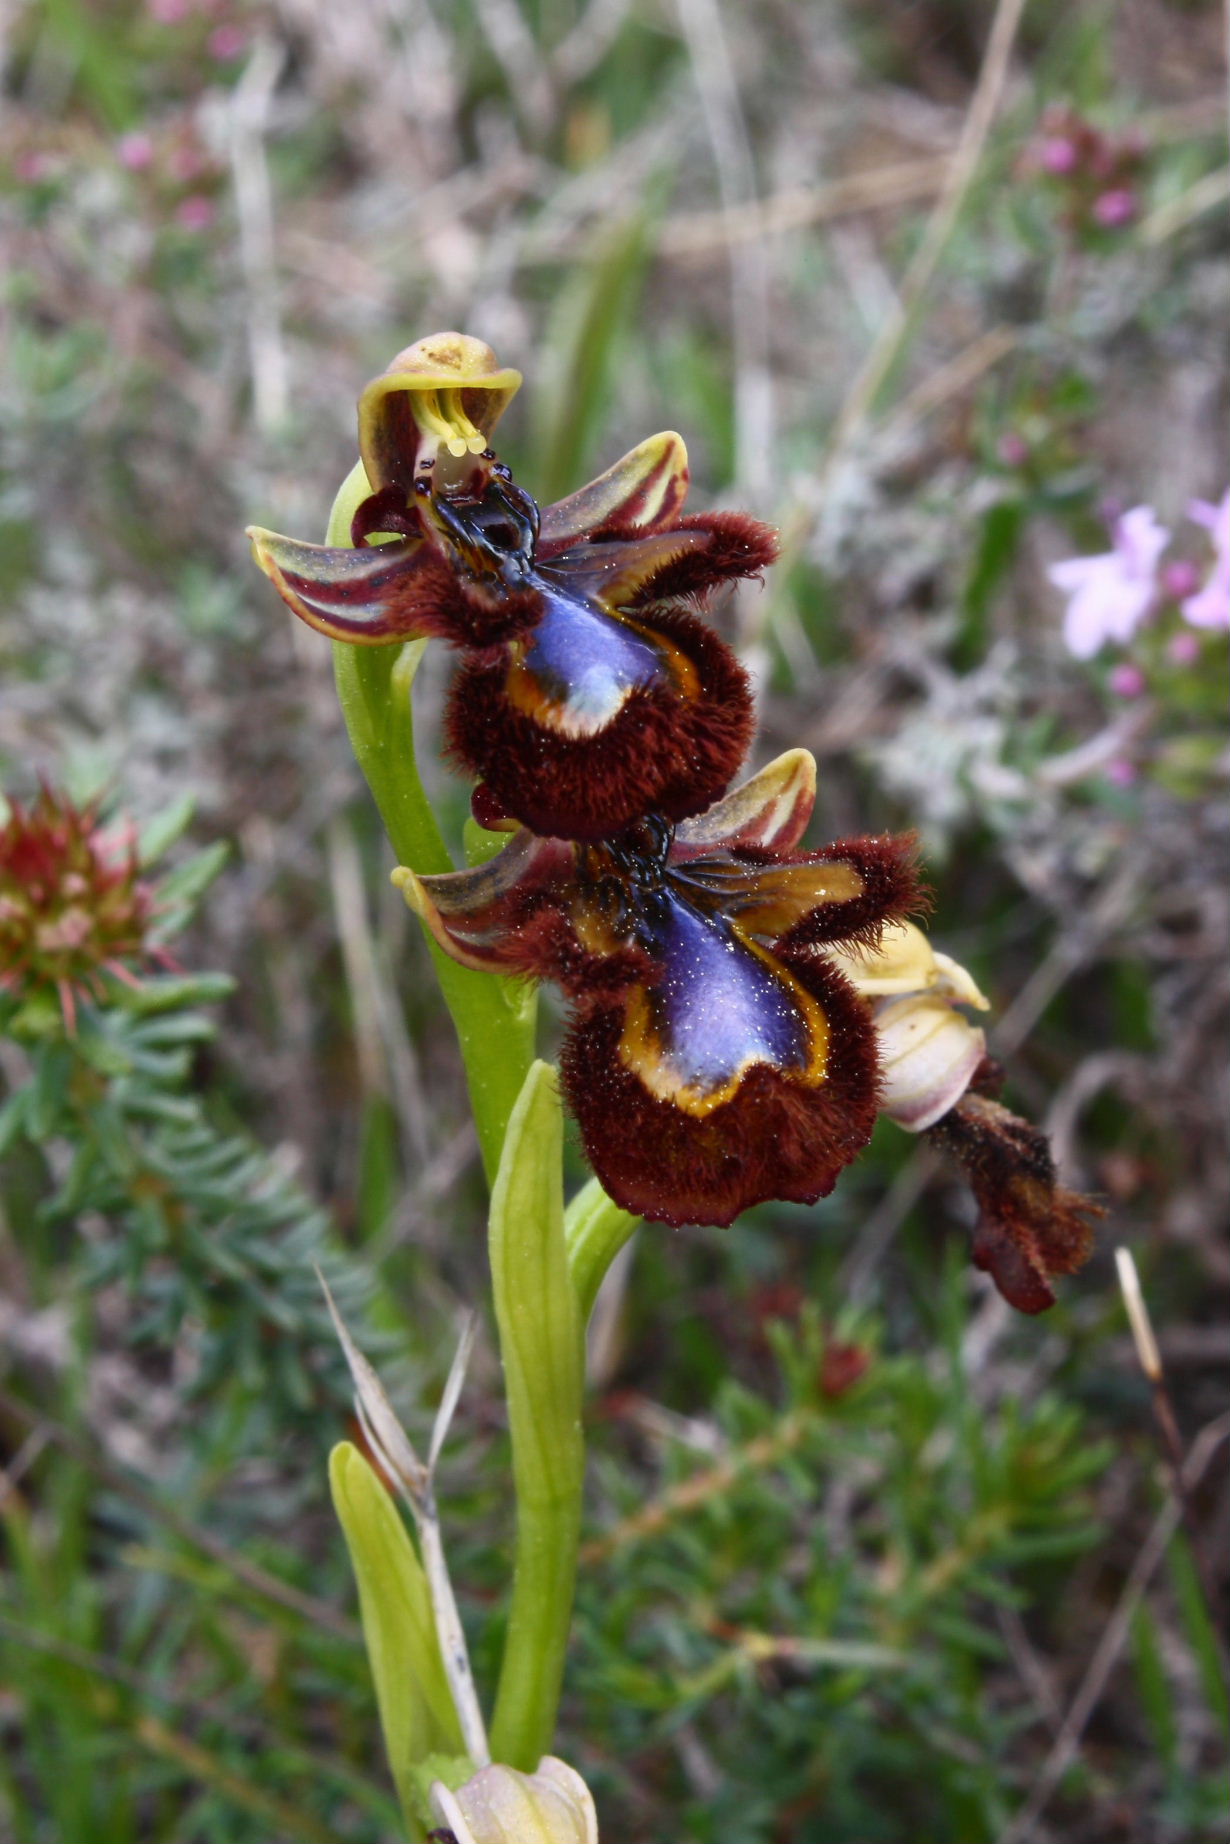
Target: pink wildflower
x,y
1111,594
1183,649
1180,578
135,151
227,42
1210,606
195,213
1058,153
1113,208
1121,773
1127,680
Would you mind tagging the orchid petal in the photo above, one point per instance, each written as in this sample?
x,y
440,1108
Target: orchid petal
x,y
500,1805
441,396
905,961
614,570
483,917
370,595
771,810
581,665
641,493
928,1056
766,899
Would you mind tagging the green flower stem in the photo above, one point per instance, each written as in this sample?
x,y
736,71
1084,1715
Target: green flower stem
x,y
595,1229
542,1346
495,1018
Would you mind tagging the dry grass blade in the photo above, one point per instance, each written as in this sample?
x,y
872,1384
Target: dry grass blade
x,y
393,1449
860,400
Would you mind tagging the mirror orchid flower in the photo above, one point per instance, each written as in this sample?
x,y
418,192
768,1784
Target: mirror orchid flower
x,y
590,691
714,1058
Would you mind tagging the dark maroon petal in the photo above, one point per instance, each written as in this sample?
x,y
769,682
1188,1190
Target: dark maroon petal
x,y
1029,1226
525,912
735,545
375,594
671,746
780,1136
770,811
892,890
643,492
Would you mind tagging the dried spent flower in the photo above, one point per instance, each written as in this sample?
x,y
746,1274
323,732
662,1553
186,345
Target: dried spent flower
x,y
72,904
590,691
937,1079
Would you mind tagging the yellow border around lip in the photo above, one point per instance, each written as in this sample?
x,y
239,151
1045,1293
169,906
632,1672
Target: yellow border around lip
x,y
637,1053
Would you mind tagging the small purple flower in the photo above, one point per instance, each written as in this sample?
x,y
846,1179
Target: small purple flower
x,y
1114,208
1179,579
135,151
227,42
1112,593
1121,773
196,212
1183,649
1210,606
1127,680
1058,153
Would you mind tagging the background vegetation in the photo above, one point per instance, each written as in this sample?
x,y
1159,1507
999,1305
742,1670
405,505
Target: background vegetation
x,y
870,1559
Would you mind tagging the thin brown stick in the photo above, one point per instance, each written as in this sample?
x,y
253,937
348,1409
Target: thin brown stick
x,y
1150,1359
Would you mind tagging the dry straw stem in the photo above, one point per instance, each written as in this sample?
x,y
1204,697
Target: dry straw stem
x,y
860,400
1168,1429
750,311
1114,1637
249,120
394,1452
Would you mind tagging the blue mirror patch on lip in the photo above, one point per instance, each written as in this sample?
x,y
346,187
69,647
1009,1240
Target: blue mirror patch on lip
x,y
718,1007
585,663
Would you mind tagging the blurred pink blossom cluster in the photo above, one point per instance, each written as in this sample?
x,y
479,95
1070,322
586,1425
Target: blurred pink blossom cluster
x,y
1097,174
1112,594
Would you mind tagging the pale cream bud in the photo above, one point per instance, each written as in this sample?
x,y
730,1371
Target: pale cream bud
x,y
928,1055
502,1806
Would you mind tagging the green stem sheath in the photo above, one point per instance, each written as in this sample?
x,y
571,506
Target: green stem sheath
x,y
542,1347
595,1229
495,1018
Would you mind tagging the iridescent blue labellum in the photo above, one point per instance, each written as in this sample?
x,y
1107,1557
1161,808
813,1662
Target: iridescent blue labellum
x,y
588,693
715,1057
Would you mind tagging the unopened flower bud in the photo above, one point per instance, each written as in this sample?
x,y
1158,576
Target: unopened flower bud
x,y
502,1806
